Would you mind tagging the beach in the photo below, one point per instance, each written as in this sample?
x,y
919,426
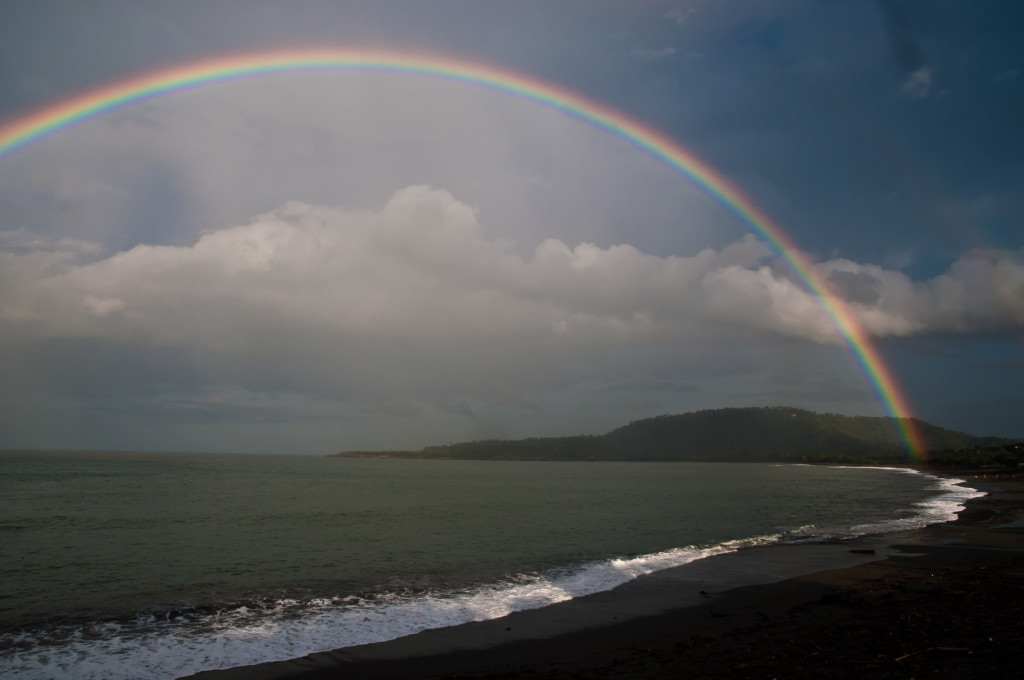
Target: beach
x,y
946,600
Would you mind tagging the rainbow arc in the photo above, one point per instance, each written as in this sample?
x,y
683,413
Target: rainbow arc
x,y
102,101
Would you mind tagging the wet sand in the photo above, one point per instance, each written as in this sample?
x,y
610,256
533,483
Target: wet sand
x,y
945,601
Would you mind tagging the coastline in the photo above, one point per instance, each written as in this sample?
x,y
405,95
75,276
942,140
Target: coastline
x,y
867,605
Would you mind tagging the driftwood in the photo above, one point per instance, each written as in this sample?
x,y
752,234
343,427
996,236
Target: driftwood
x,y
907,656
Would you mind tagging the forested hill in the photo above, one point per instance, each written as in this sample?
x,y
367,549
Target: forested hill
x,y
732,434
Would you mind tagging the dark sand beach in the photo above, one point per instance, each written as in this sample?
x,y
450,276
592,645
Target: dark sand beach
x,y
945,601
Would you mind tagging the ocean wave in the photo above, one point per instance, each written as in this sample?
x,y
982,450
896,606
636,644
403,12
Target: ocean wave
x,y
173,644
943,507
154,647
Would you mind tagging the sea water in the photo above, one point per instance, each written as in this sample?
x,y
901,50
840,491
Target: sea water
x,y
120,565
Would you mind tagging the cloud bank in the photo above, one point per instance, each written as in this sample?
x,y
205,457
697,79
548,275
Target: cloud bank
x,y
415,299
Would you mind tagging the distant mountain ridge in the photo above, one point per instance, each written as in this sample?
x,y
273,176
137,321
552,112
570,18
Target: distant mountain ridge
x,y
773,433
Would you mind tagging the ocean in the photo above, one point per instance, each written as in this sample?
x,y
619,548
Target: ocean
x,y
155,566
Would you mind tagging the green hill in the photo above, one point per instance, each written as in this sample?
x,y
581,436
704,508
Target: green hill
x,y
733,434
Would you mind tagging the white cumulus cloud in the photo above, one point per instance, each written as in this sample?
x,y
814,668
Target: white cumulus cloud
x,y
416,297
918,84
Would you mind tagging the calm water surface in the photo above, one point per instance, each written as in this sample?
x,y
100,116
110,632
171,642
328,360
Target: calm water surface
x,y
206,561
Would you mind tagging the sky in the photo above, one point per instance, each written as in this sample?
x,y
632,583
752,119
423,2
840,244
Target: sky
x,y
325,261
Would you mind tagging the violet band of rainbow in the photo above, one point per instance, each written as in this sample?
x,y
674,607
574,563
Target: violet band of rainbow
x,y
52,119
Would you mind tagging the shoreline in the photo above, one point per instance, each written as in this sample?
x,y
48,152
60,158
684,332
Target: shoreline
x,y
755,611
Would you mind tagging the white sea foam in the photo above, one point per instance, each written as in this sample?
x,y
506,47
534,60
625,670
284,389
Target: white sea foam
x,y
150,649
952,497
944,507
160,649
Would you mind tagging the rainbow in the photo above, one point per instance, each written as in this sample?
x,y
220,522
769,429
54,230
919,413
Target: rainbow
x,y
49,120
